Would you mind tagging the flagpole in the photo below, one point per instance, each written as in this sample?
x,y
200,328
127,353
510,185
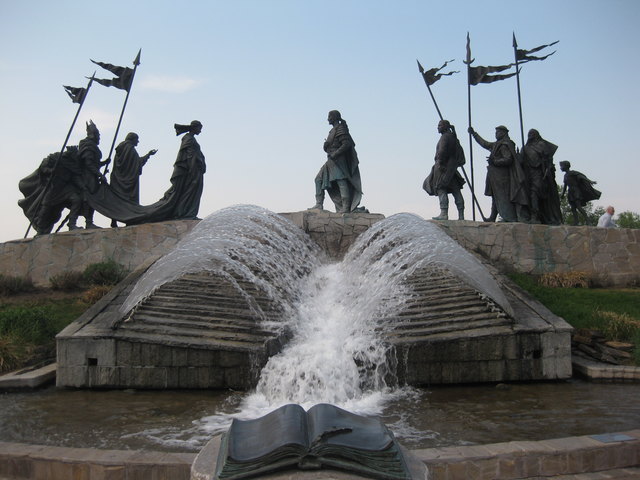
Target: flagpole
x,y
64,145
468,63
515,53
136,62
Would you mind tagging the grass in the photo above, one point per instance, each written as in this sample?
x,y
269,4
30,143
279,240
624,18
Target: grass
x,y
615,312
29,324
30,318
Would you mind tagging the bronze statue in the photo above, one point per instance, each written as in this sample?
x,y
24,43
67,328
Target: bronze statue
x,y
505,181
187,179
580,189
56,184
90,156
127,168
444,177
340,175
541,175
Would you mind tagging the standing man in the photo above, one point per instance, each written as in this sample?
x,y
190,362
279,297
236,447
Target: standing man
x,y
127,168
541,175
444,177
505,181
340,175
90,164
606,220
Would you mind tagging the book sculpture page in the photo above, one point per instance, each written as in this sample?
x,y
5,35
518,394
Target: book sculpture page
x,y
325,436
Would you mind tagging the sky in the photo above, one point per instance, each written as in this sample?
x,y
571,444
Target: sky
x,y
261,75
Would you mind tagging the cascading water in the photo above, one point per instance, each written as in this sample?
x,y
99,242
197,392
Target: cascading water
x,y
337,353
240,242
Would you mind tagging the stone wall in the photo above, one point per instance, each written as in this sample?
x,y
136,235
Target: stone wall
x,y
608,256
45,256
334,232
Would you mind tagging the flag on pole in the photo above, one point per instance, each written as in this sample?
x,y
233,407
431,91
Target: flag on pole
x,y
123,76
431,76
525,55
481,74
77,94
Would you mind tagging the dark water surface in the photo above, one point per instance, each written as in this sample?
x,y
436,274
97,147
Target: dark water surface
x,y
438,416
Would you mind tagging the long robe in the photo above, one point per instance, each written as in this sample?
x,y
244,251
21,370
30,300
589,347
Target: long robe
x,y
127,168
343,166
180,201
444,173
541,173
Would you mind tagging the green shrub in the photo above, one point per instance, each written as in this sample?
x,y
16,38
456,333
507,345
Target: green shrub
x,y
104,273
28,324
67,281
10,285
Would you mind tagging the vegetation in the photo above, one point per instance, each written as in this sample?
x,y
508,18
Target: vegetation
x,y
11,285
628,220
97,274
615,312
30,318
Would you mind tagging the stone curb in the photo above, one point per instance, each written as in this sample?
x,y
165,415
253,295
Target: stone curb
x,y
603,372
505,461
524,459
27,378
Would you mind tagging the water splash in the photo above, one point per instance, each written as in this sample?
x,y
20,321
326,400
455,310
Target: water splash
x,y
243,241
337,353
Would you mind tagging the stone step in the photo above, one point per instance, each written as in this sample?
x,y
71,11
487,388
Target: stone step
x,y
217,335
199,311
198,324
444,311
449,327
422,323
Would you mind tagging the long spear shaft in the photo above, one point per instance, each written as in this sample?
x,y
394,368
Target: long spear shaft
x,y
136,62
470,137
515,53
64,145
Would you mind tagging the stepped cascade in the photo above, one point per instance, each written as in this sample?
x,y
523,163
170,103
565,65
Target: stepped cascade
x,y
247,300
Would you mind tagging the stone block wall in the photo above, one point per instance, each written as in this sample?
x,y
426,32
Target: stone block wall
x,y
609,256
333,232
45,256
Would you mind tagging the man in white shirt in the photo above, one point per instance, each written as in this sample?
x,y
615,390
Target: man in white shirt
x,y
606,220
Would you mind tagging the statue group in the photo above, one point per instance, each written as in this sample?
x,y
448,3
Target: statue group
x,y
73,180
521,185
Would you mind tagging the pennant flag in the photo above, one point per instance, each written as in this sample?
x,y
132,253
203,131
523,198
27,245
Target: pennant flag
x,y
481,74
431,76
123,79
525,55
77,94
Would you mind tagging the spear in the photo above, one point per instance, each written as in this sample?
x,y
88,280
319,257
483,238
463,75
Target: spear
x,y
464,172
515,53
136,62
468,62
64,145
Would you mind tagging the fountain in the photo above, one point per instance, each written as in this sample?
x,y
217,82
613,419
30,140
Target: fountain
x,y
248,300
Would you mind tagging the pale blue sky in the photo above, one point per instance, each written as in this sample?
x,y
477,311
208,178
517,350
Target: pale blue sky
x,y
262,75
